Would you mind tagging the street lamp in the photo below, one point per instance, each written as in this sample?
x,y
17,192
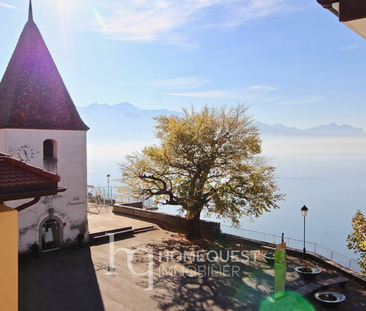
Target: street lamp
x,y
304,212
108,176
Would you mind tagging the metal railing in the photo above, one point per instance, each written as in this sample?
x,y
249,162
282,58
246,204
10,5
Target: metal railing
x,y
340,259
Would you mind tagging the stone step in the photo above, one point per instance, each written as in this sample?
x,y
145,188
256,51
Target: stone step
x,y
144,229
119,235
94,234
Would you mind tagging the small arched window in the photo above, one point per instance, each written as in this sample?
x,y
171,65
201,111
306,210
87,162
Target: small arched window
x,y
48,149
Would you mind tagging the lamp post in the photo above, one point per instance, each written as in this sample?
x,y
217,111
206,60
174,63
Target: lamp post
x,y
108,176
304,212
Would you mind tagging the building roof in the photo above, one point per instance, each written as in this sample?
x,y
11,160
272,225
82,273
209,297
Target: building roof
x,y
351,13
19,180
32,93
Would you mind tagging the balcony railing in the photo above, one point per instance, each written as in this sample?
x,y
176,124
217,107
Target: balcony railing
x,y
340,259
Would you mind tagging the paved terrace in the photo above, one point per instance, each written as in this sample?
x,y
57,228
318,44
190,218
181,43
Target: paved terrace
x,y
77,279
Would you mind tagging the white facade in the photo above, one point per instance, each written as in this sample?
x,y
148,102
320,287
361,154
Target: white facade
x,y
68,160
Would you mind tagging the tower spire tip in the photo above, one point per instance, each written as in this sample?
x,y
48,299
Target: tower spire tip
x,y
30,12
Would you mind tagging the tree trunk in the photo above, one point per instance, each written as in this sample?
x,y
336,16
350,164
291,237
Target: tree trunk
x,y
194,227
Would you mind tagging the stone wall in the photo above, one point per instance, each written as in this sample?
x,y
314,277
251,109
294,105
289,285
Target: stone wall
x,y
134,204
166,221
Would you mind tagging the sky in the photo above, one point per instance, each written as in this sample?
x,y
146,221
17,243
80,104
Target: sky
x,y
290,62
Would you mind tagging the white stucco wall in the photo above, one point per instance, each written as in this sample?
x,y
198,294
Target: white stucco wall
x,y
3,145
70,207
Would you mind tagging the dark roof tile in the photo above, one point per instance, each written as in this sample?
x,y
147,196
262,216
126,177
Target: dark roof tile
x,y
32,93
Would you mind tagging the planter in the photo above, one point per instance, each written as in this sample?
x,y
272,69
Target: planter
x,y
269,257
329,299
307,272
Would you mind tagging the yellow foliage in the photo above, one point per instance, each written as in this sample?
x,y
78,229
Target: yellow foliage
x,y
206,159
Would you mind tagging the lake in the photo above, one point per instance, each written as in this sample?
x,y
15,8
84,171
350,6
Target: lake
x,y
327,174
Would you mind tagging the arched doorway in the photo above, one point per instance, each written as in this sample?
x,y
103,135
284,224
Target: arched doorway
x,y
50,234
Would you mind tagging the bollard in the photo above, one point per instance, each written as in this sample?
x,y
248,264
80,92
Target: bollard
x,y
80,238
35,250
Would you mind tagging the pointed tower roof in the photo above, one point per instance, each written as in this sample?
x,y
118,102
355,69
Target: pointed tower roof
x,y
32,93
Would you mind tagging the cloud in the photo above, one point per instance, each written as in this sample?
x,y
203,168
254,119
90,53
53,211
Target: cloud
x,y
251,92
302,101
218,94
9,6
127,83
171,84
262,88
179,83
175,22
348,47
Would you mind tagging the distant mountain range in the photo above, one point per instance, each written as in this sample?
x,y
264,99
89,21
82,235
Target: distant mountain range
x,y
119,122
127,122
331,129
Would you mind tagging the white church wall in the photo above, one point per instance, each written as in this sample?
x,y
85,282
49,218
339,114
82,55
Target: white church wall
x,y
3,140
69,207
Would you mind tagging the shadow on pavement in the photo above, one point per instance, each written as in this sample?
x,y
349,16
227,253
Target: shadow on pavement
x,y
59,280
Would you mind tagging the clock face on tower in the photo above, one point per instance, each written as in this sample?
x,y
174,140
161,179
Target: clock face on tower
x,y
25,153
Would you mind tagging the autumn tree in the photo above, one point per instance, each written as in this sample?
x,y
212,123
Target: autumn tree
x,y
357,239
206,159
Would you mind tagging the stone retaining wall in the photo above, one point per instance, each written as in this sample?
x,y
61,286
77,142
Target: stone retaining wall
x,y
133,204
167,221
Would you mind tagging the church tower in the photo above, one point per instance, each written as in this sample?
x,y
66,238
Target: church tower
x,y
40,125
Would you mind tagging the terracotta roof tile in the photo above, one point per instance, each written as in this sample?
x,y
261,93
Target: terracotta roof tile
x,y
17,176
